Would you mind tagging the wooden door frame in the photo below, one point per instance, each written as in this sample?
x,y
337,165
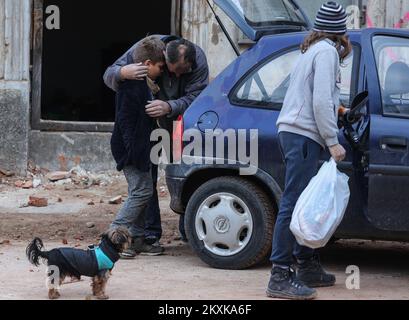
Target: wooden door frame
x,y
36,57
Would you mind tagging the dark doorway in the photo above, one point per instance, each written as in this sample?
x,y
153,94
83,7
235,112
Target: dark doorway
x,y
93,35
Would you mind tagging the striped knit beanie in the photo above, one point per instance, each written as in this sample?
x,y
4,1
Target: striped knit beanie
x,y
331,18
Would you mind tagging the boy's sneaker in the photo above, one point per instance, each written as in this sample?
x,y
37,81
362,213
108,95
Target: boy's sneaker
x,y
156,244
152,240
284,285
311,273
145,249
128,254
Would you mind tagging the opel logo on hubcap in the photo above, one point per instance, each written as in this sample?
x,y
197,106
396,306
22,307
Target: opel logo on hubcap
x,y
222,224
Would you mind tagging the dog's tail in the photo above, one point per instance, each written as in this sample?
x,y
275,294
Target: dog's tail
x,y
34,253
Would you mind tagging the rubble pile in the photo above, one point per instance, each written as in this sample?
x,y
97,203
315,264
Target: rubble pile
x,y
47,185
37,177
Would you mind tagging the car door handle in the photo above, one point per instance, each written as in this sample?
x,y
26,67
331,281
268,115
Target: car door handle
x,y
394,143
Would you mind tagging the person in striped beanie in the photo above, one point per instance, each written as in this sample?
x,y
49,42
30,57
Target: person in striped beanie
x,y
306,126
331,18
330,23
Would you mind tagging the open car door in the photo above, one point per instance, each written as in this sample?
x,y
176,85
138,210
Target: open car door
x,y
386,54
257,18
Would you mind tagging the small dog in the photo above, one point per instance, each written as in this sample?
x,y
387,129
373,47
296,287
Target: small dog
x,y
96,262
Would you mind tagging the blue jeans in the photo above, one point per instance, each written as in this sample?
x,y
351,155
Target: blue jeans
x,y
301,156
140,190
153,224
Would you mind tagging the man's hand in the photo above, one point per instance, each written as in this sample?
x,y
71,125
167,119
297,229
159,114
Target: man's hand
x,y
337,152
136,71
157,109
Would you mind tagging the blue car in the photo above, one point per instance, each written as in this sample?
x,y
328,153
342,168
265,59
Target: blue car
x,y
229,216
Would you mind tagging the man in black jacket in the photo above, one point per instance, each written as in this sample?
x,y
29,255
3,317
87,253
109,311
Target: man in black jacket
x,y
131,146
185,76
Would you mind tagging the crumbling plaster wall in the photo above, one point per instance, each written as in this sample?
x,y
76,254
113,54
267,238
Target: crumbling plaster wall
x,y
15,23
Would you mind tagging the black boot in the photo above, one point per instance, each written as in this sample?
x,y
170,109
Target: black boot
x,y
284,285
311,273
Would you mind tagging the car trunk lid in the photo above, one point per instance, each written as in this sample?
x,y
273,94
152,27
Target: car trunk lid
x,y
257,18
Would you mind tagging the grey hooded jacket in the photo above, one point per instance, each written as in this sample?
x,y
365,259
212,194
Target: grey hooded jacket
x,y
311,104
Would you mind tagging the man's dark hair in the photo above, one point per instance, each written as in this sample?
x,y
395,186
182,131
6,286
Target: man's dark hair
x,y
150,48
174,54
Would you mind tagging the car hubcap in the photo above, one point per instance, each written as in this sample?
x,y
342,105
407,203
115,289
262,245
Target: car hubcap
x,y
224,224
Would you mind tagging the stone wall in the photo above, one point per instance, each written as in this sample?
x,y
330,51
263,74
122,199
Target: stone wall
x,y
65,150
18,143
15,23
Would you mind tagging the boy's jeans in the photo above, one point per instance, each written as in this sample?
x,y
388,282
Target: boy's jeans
x,y
140,191
301,156
153,225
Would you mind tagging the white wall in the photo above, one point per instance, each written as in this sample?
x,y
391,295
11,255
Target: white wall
x,y
388,13
200,27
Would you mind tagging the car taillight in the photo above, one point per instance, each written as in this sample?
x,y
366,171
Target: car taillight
x,y
178,140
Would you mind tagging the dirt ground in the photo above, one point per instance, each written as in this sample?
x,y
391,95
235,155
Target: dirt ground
x,y
70,208
76,216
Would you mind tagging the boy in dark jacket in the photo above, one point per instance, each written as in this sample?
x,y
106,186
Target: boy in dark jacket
x,y
185,75
131,146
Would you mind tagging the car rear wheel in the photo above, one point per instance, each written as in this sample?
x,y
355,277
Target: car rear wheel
x,y
229,222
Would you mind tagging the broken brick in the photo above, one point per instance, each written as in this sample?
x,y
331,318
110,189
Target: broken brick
x,y
19,183
58,175
37,202
27,185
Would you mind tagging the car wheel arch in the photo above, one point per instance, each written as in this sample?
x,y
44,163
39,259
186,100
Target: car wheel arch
x,y
197,178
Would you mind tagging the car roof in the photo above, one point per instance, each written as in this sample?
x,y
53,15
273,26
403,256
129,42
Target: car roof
x,y
303,34
354,35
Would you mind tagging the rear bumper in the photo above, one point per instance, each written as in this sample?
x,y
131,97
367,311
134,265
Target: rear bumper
x,y
175,186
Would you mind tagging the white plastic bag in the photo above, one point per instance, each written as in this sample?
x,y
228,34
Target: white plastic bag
x,y
321,207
